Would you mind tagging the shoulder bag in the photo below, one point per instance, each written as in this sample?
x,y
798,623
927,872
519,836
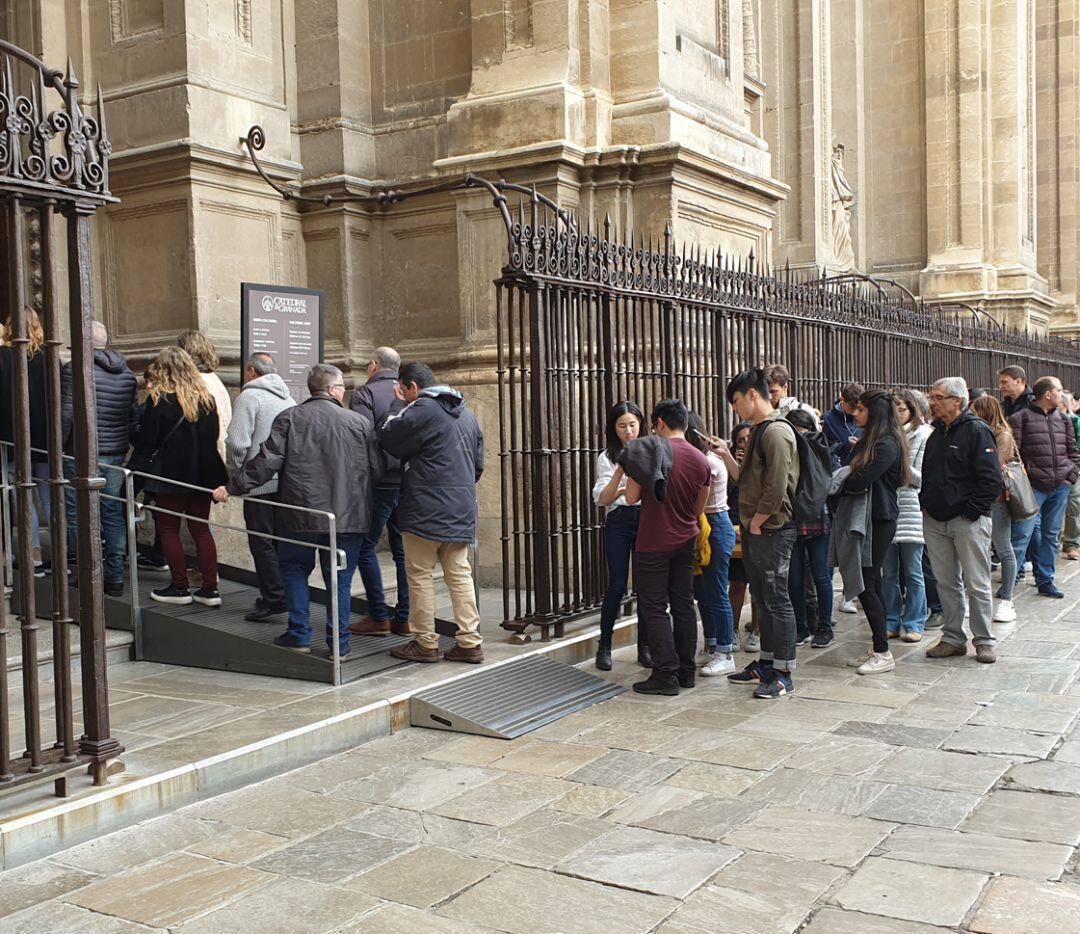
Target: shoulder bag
x,y
1018,492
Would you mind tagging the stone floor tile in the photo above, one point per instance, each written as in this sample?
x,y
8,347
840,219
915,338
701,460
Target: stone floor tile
x,y
236,844
835,921
416,785
527,901
858,694
540,839
288,906
38,882
1069,751
328,773
57,917
1056,776
423,877
977,851
566,728
911,892
413,827
1030,648
724,781
170,891
827,838
504,800
840,755
654,801
286,812
776,728
928,807
830,713
734,749
1000,740
797,788
554,759
590,800
946,771
705,718
635,735
895,734
1030,711
407,744
397,919
135,845
473,750
1019,906
1026,815
706,819
331,856
657,863
630,771
939,709
716,909
169,716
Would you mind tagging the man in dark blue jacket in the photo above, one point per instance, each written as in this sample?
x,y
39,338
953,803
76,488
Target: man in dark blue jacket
x,y
839,423
441,447
377,399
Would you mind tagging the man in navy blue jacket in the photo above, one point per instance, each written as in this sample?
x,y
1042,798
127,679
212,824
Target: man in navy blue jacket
x,y
441,448
840,429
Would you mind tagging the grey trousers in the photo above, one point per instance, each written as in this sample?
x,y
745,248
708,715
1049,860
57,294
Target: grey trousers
x,y
1001,520
767,559
959,553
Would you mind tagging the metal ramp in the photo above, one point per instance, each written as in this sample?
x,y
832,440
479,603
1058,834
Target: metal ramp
x,y
222,640
507,701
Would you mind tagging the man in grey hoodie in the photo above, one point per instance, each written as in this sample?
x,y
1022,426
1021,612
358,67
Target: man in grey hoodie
x,y
264,395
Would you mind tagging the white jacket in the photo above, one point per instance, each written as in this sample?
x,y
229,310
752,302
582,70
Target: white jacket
x,y
909,526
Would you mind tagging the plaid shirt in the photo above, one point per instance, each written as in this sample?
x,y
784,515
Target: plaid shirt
x,y
810,529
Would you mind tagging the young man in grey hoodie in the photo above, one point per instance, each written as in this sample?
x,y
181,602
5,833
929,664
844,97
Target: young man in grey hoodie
x,y
264,395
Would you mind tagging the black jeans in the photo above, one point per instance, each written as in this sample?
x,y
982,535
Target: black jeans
x,y
933,601
259,517
873,598
767,558
620,532
663,579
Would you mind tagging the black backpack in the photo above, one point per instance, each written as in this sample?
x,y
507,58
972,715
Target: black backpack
x,y
815,474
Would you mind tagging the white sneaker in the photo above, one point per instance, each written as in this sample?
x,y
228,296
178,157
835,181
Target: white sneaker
x,y
752,643
848,606
876,664
703,658
861,660
1005,612
719,664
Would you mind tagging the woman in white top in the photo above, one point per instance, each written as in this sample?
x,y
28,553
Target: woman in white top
x,y
203,352
625,422
711,585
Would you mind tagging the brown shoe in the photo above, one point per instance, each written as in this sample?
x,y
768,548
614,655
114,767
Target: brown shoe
x,y
945,649
415,652
1073,554
369,627
985,654
400,629
459,653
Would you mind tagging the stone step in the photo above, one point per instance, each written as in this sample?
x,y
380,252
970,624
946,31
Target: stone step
x,y
119,645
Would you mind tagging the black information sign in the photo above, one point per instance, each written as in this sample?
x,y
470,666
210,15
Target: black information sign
x,y
287,323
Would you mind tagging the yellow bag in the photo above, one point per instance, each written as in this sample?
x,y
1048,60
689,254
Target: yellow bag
x,y
704,549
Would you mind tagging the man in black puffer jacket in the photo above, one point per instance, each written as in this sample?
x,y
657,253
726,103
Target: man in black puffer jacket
x,y
439,442
1047,446
114,395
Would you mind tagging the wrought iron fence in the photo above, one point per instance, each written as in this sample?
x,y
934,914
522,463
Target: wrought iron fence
x,y
587,318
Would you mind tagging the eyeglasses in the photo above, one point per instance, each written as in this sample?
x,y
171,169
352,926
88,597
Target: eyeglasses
x,y
937,397
336,386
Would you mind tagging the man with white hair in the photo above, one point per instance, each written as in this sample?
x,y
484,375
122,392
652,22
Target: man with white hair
x,y
961,481
114,396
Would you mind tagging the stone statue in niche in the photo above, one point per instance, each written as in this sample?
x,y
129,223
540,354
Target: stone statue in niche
x,y
843,200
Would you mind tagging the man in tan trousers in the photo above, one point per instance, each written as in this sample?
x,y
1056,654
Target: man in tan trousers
x,y
441,447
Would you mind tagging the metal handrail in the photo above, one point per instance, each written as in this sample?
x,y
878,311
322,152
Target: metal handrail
x,y
337,556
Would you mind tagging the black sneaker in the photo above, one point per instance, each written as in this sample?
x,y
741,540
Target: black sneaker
x,y
603,657
822,638
1049,590
207,596
114,590
151,563
285,642
172,594
263,613
687,679
753,673
654,685
802,638
778,684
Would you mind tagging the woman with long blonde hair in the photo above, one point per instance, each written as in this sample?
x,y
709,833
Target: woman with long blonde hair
x,y
205,355
39,424
177,442
990,411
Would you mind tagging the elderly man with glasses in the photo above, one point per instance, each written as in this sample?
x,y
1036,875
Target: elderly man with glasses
x,y
326,458
961,480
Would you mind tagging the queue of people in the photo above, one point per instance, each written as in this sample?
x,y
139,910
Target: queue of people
x,y
926,494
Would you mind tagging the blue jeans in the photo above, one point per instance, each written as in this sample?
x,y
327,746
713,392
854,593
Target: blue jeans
x,y
39,471
711,585
297,563
384,516
907,612
1049,519
113,525
620,533
811,554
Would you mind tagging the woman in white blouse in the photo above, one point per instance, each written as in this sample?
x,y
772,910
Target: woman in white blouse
x,y
625,422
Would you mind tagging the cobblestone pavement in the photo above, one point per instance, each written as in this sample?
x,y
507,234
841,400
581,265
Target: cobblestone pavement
x,y
943,796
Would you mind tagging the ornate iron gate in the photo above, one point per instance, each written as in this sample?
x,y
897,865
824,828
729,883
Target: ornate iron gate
x,y
587,318
52,161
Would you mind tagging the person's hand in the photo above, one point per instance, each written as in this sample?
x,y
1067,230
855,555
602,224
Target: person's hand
x,y
220,495
853,441
756,524
398,394
719,445
621,491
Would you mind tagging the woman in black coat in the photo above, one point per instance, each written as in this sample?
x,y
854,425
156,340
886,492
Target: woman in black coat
x,y
177,441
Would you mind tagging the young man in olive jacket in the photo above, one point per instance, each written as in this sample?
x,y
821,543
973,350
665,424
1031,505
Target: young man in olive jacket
x,y
961,481
441,447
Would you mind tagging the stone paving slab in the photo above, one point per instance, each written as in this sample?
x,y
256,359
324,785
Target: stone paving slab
x,y
829,838
1001,741
835,921
1018,906
1025,815
1061,777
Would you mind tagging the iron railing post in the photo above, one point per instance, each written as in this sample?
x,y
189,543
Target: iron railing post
x,y
332,600
133,561
540,461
